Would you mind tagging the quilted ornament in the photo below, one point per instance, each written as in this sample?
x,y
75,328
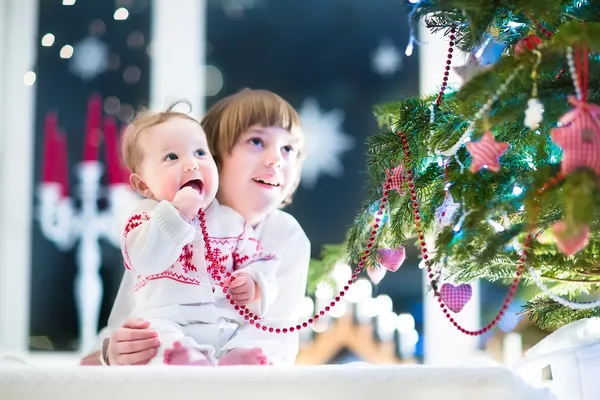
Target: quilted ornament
x,y
486,153
579,137
571,242
456,297
391,259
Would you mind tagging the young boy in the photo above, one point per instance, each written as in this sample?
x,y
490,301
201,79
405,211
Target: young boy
x,y
179,267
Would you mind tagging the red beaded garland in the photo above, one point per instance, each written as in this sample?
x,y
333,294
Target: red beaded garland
x,y
215,269
515,283
440,95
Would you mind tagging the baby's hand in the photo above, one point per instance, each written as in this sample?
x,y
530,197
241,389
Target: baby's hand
x,y
187,201
243,289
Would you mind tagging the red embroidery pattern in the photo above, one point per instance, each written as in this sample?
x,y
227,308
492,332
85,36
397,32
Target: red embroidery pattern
x,y
142,281
186,259
135,221
239,260
184,271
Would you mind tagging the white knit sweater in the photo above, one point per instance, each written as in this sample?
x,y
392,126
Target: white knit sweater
x,y
168,256
279,233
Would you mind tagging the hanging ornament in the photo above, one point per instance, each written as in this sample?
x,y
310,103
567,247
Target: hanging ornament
x,y
470,69
571,240
535,109
534,114
486,153
396,176
445,213
456,297
491,50
391,259
578,135
376,274
527,44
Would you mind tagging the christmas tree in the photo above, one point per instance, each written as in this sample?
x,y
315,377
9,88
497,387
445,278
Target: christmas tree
x,y
499,179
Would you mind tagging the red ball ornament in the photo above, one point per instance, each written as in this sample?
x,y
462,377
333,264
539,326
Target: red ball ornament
x,y
527,44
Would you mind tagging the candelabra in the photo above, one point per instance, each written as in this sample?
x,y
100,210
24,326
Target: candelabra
x,y
67,226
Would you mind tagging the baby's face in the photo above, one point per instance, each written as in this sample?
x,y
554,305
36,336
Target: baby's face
x,y
175,154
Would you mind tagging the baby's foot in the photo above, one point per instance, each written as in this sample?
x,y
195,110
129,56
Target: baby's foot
x,y
180,355
240,356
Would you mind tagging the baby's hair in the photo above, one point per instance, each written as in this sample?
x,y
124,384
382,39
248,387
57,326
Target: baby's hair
x,y
144,119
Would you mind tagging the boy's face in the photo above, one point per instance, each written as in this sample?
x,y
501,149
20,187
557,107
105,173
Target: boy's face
x,y
175,154
259,172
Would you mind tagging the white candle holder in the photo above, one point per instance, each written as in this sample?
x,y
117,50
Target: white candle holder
x,y
66,226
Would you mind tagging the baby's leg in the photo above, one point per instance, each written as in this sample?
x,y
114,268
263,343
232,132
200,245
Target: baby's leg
x,y
176,348
180,355
242,356
251,346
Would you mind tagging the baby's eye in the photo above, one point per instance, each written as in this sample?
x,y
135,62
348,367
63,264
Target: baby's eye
x,y
200,153
170,157
288,148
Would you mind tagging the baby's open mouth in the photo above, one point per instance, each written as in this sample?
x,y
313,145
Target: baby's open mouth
x,y
195,184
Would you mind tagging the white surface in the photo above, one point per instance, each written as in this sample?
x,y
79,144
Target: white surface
x,y
16,169
293,383
573,353
178,54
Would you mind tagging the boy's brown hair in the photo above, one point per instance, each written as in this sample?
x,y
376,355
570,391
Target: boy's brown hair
x,y
131,154
231,116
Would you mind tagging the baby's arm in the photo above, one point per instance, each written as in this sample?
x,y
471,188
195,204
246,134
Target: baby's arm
x,y
154,238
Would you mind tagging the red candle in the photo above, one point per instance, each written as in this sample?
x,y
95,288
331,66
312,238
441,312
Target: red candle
x,y
63,162
50,149
92,129
113,167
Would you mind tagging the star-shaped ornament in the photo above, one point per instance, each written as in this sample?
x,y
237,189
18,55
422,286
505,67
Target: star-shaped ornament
x,y
470,69
486,153
396,176
445,213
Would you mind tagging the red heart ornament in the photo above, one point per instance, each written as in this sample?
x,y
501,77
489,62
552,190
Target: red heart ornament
x,y
570,243
391,259
456,297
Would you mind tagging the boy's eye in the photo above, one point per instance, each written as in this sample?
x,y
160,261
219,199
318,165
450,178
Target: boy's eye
x,y
288,148
171,157
256,141
200,153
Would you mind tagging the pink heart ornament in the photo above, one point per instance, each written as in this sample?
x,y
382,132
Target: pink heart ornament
x,y
456,297
570,243
391,259
376,274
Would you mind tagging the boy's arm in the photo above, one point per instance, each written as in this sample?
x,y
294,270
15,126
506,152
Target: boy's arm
x,y
291,277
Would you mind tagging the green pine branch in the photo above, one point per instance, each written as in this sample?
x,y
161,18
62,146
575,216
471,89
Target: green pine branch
x,y
550,315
